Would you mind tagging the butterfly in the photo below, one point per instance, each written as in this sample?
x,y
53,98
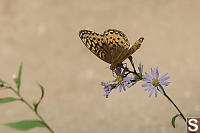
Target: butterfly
x,y
112,46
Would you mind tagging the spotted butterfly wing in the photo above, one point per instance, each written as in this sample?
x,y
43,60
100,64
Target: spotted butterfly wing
x,y
108,46
118,44
96,44
112,47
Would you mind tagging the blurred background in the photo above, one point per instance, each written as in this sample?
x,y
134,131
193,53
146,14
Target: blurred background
x,y
43,34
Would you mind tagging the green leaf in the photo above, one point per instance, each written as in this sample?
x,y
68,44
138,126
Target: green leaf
x,y
19,76
174,119
41,97
42,91
7,100
25,124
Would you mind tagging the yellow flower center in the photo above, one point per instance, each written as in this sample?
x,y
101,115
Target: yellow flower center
x,y
120,79
155,82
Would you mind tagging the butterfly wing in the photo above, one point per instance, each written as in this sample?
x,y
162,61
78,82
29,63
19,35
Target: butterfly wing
x,y
133,48
112,47
96,44
118,45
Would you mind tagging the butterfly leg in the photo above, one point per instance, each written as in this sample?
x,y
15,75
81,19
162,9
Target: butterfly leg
x,y
124,64
132,63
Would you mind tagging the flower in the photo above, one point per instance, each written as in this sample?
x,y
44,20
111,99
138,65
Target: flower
x,y
153,83
107,88
122,81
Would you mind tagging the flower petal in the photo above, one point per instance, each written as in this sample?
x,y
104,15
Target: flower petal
x,y
156,73
117,85
163,76
107,90
120,88
152,91
126,85
152,72
124,88
103,84
161,91
128,79
148,89
115,80
109,87
147,85
147,77
156,92
164,79
107,94
165,83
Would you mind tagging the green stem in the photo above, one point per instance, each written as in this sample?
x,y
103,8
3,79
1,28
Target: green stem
x,y
181,114
37,114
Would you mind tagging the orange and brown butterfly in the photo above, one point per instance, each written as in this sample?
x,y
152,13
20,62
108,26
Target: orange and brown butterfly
x,y
112,46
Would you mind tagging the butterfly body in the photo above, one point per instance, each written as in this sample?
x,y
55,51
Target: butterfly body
x,y
112,46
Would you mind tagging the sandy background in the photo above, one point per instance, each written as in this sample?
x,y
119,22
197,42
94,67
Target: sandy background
x,y
43,34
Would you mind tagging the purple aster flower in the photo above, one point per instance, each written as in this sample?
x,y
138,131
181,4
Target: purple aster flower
x,y
122,82
154,82
107,88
